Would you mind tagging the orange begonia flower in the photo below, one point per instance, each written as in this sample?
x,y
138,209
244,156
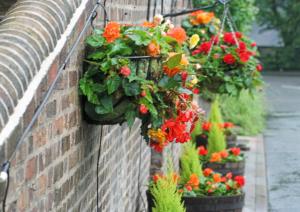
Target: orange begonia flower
x,y
112,32
171,72
216,157
178,33
153,49
194,181
217,178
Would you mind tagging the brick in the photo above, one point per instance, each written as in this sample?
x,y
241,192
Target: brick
x,y
65,144
42,184
39,137
51,109
31,168
58,126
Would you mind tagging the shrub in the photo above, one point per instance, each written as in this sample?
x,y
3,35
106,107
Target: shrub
x,y
216,139
189,162
165,194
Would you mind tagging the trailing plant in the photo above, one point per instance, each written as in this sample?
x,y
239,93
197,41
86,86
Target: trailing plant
x,y
118,88
189,162
248,111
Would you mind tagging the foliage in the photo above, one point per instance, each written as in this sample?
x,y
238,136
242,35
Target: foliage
x,y
212,184
282,16
243,12
215,115
165,193
228,155
158,100
216,139
228,64
189,162
248,111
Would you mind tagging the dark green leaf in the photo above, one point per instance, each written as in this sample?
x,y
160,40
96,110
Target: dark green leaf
x,y
130,117
131,88
95,40
113,84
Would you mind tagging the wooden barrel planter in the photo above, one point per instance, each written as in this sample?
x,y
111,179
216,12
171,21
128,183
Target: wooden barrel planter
x,y
233,203
231,141
236,168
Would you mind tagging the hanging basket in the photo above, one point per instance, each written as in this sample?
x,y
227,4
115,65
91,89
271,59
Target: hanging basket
x,y
233,203
236,168
144,66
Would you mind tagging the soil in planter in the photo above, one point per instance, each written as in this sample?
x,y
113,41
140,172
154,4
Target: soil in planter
x,y
208,204
236,168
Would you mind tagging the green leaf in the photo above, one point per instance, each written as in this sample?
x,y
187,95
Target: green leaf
x,y
131,88
140,37
106,105
130,117
168,83
95,40
91,89
150,106
113,83
120,48
174,61
96,55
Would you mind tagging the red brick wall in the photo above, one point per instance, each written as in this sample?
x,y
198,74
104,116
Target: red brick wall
x,y
55,168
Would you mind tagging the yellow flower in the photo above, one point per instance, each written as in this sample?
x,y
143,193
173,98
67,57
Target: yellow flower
x,y
157,135
194,41
194,81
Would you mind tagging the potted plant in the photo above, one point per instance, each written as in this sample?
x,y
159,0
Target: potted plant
x,y
163,194
217,156
141,72
207,190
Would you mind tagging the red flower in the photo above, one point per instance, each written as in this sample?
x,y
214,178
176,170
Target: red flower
x,y
224,154
112,32
143,109
235,151
125,71
184,76
156,177
178,33
188,187
228,125
259,67
245,56
175,131
214,39
203,48
229,37
229,59
202,151
229,175
242,46
253,44
206,126
240,180
207,172
196,91
143,94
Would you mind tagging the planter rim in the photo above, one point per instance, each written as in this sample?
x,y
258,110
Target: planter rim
x,y
216,197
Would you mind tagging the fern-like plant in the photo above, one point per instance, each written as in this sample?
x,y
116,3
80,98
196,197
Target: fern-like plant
x,y
215,112
216,139
165,194
190,163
